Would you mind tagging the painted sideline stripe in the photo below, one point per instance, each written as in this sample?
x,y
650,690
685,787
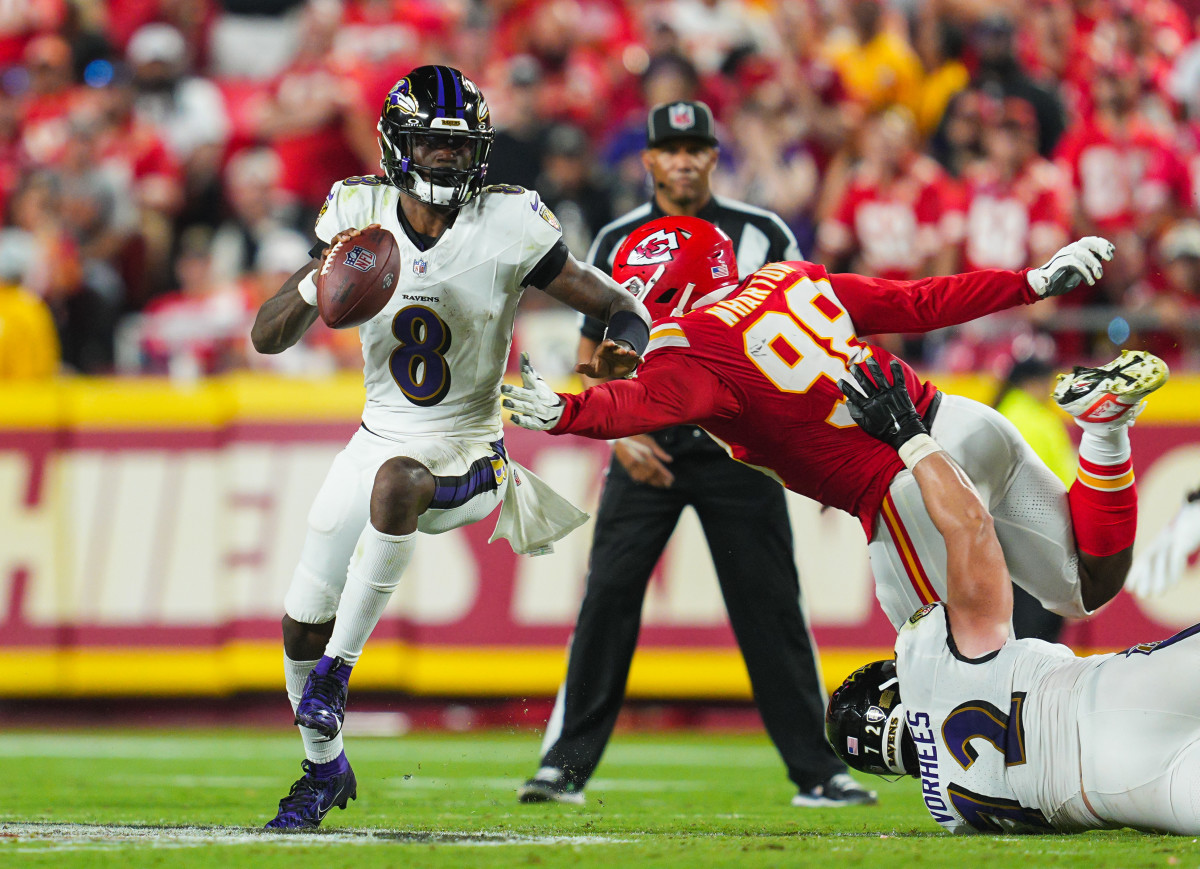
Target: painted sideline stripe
x,y
155,403
470,671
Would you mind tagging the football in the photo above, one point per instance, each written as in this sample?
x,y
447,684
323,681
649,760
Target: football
x,y
358,278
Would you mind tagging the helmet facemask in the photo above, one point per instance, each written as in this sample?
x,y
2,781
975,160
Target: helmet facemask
x,y
444,186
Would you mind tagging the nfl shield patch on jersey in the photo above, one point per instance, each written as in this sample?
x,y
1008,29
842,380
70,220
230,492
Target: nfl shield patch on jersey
x,y
547,215
921,613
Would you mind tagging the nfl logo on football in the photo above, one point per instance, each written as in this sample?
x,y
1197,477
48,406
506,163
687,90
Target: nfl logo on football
x,y
360,258
419,266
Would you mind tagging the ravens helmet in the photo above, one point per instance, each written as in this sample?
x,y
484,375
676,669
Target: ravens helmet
x,y
865,722
435,101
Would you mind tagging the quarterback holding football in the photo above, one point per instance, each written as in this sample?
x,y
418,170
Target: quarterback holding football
x,y
435,304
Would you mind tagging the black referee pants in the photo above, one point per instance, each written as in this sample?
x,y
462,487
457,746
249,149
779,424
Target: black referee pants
x,y
744,517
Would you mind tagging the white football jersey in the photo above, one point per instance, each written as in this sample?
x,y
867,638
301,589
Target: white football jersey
x,y
996,737
435,355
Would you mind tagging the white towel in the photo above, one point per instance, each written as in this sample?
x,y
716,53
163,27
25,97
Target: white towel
x,y
533,515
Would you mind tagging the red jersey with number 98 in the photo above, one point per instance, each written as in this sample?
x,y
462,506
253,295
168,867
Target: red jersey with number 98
x,y
759,371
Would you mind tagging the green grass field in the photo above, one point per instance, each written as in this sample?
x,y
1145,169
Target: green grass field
x,y
196,799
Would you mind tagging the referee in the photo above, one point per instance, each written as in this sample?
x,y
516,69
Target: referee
x,y
742,511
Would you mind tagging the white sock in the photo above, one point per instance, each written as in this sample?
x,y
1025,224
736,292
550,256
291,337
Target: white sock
x,y
375,569
1104,447
316,748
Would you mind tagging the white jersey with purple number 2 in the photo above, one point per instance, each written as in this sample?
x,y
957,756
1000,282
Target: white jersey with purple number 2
x,y
435,355
997,736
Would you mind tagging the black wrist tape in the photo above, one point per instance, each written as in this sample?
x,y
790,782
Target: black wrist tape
x,y
628,328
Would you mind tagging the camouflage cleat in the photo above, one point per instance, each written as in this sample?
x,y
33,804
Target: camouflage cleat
x,y
322,706
313,796
1111,395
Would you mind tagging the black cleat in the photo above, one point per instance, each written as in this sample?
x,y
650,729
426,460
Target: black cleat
x,y
838,790
550,786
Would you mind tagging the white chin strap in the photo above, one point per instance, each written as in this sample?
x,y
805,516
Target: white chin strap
x,y
713,296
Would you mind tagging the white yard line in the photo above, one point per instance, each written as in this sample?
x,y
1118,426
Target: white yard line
x,y
39,838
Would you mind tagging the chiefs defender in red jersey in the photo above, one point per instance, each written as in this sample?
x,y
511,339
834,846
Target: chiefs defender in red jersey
x,y
757,365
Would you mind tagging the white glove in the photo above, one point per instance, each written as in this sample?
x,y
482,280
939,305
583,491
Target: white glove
x,y
535,405
1165,562
1079,261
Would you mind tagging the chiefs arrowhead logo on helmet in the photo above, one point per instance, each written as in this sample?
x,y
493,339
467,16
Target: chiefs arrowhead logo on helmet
x,y
676,264
654,248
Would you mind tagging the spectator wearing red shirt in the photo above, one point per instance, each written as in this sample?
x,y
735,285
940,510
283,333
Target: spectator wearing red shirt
x,y
51,96
200,328
12,155
1017,214
1187,148
378,41
577,74
22,22
1106,156
315,116
1016,202
898,215
1170,294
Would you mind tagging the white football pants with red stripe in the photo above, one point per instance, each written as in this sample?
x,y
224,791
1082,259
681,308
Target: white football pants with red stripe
x,y
1027,502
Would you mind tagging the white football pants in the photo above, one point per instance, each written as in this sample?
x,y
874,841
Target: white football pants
x,y
1027,502
471,481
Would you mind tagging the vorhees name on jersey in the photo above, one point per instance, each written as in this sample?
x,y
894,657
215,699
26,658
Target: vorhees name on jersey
x,y
927,757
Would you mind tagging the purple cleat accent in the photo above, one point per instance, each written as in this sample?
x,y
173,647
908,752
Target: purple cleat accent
x,y
313,796
322,706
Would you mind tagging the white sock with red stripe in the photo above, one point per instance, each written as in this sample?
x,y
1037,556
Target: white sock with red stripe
x,y
1103,498
378,562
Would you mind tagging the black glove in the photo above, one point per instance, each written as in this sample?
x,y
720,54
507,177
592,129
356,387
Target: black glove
x,y
886,411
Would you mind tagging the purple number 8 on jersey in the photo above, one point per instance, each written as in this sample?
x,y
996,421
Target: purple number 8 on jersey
x,y
419,364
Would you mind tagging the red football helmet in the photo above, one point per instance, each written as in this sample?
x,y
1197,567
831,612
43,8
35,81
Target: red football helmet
x,y
676,264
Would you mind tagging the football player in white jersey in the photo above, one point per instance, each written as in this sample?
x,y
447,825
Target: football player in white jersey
x,y
430,454
1013,735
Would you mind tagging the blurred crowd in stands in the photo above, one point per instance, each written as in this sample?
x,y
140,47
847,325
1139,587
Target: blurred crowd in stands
x,y
162,161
